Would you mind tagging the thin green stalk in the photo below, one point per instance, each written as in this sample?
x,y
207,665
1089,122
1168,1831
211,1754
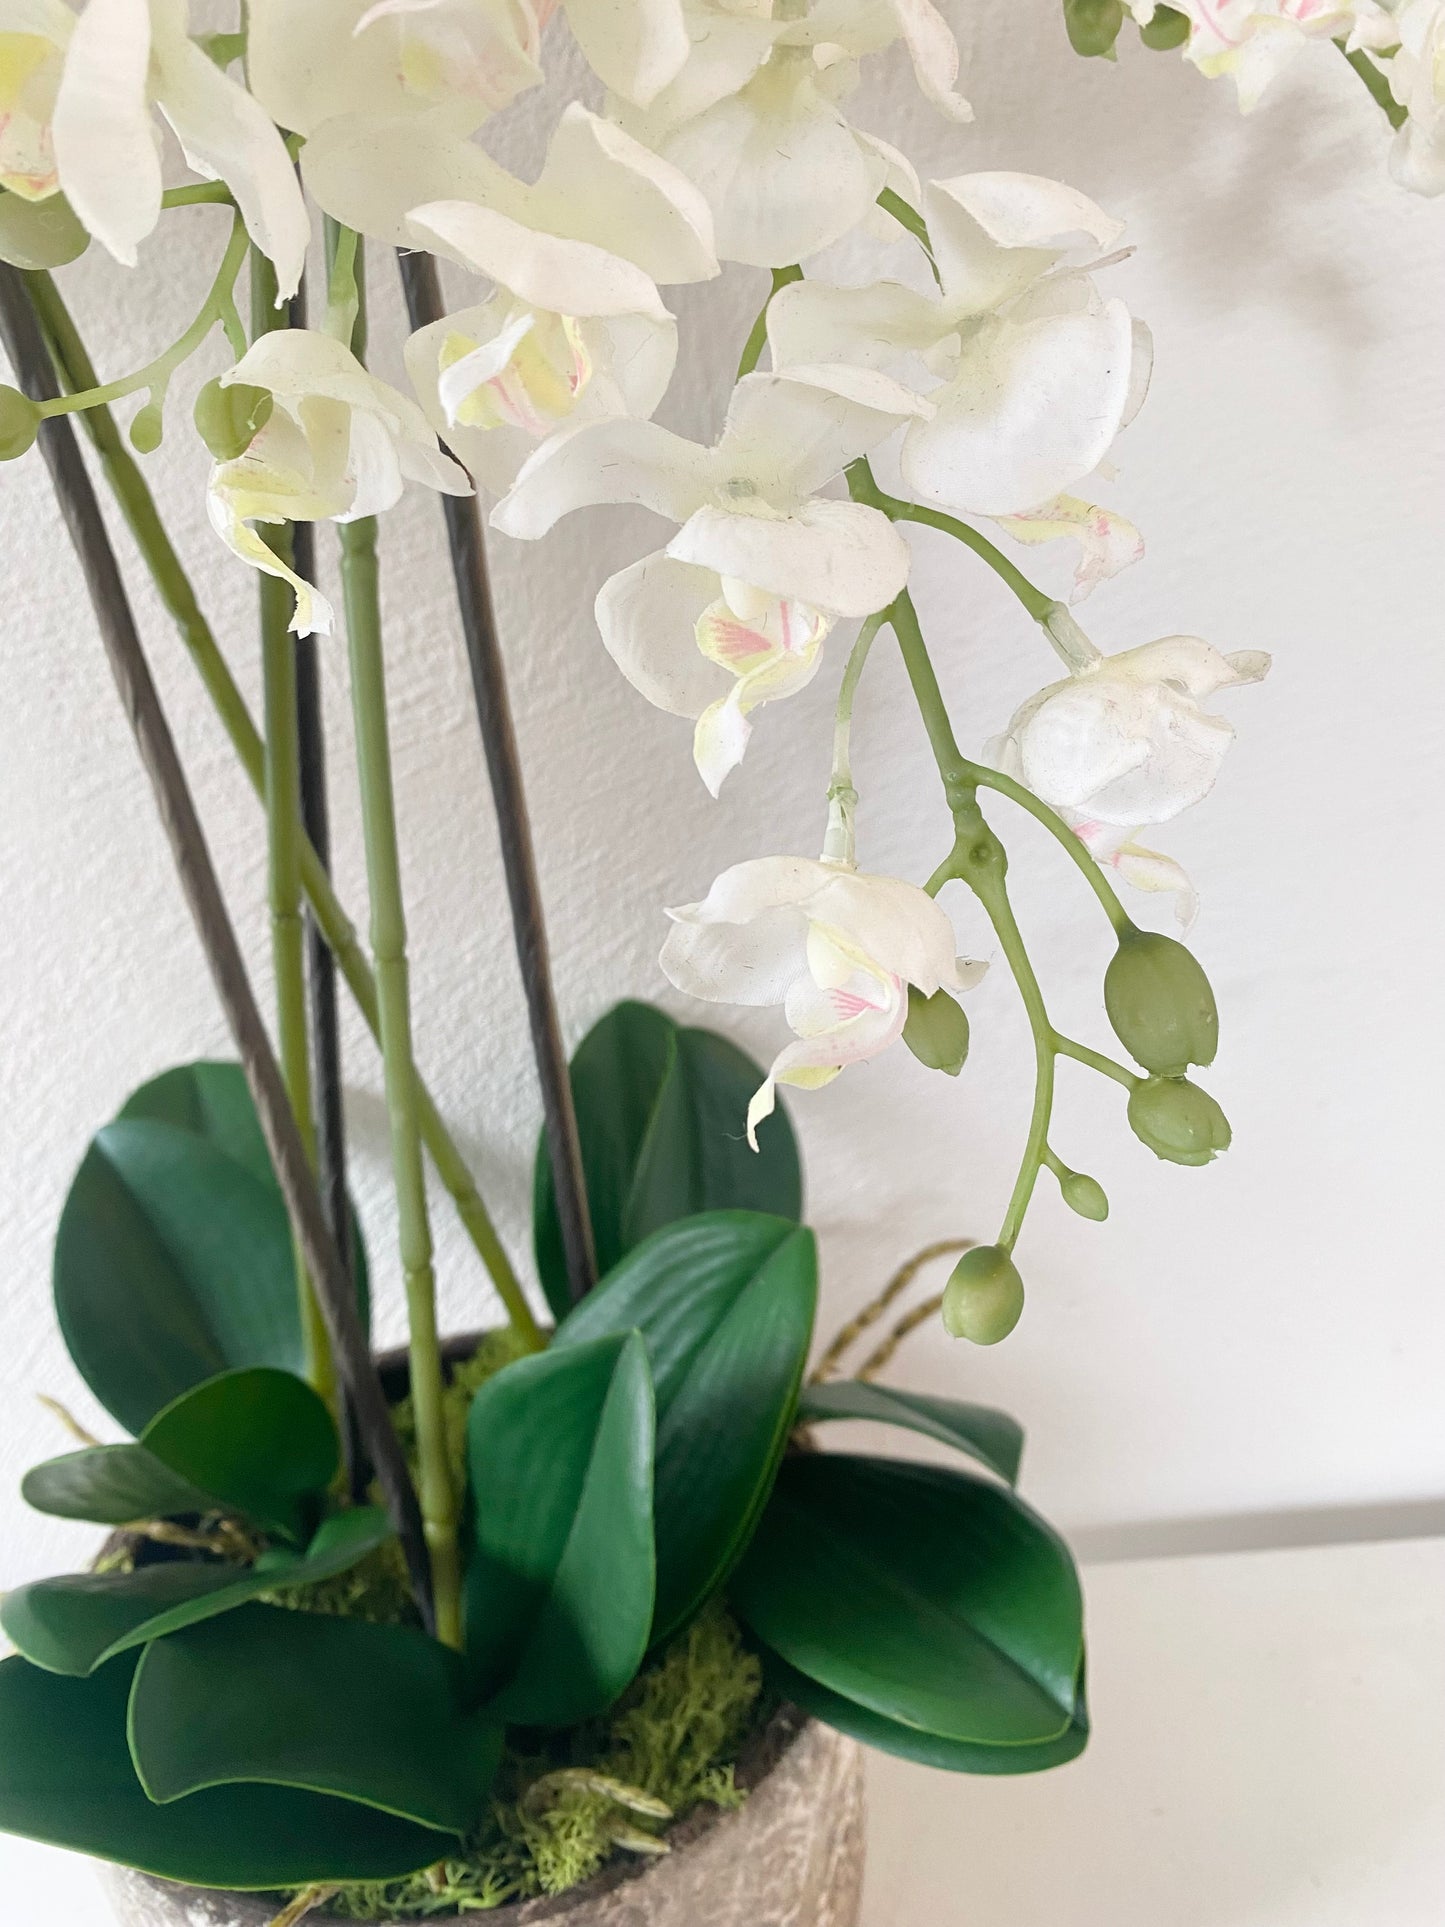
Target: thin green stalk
x,y
219,305
388,943
283,862
1095,1060
909,219
838,844
138,507
1377,84
758,338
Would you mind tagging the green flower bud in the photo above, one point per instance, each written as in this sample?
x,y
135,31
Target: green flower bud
x,y
936,1030
1160,1004
1094,26
1168,29
147,429
19,421
39,234
984,1297
229,419
1085,1195
1177,1120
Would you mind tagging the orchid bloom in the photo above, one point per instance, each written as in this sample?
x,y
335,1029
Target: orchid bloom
x,y
753,115
1039,373
575,329
1417,80
338,444
836,947
1125,742
1107,541
1253,41
76,98
734,611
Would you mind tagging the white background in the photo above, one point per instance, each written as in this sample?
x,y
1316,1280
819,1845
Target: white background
x,y
1257,1339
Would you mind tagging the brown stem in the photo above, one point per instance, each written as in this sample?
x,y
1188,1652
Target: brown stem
x,y
494,714
831,1360
176,807
910,1321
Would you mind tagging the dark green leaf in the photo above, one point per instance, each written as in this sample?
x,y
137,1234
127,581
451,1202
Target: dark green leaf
x,y
172,1263
662,1115
66,1778
560,1583
74,1624
991,1437
931,1597
725,1303
212,1101
306,1700
40,234
111,1485
260,1441
953,1756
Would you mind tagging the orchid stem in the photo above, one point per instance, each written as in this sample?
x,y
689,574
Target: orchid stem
x,y
138,507
838,844
1377,84
758,338
283,833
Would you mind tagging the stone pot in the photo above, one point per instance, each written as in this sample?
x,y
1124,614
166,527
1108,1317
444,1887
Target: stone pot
x,y
791,1856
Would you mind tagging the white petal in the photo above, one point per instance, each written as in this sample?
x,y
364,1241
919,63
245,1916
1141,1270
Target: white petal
x,y
1107,542
305,64
1191,662
369,172
105,144
313,615
839,557
809,321
789,434
993,233
899,927
934,53
1032,410
780,167
648,617
633,46
1125,753
609,461
720,740
598,184
561,276
226,135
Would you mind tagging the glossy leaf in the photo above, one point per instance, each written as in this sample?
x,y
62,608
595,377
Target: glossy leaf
x,y
111,1485
66,1777
725,1302
212,1101
339,1706
77,1623
662,1114
172,1264
928,1596
928,1749
560,1582
259,1440
991,1437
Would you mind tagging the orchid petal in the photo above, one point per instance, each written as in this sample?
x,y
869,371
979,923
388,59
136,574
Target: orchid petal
x,y
633,46
648,616
839,557
598,184
562,276
934,53
993,233
1107,542
809,321
313,614
607,461
787,435
105,144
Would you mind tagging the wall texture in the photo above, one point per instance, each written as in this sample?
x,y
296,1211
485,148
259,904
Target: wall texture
x,y
1263,1335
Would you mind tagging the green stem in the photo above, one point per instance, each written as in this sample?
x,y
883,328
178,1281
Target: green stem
x,y
219,305
838,844
199,194
388,943
908,218
283,855
1067,840
758,339
1096,1061
138,507
344,317
1376,83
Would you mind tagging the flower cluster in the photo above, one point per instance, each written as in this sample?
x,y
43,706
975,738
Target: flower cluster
x,y
992,372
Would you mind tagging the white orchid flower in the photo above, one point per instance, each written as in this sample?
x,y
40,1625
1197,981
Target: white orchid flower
x,y
1107,541
734,611
835,947
310,62
338,444
575,330
1038,372
1417,81
1118,850
1253,41
753,115
1125,740
77,99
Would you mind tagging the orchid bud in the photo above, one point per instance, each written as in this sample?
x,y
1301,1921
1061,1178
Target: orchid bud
x,y
936,1030
1094,25
1165,29
984,1297
19,421
229,419
1085,1195
1177,1120
147,429
1160,1004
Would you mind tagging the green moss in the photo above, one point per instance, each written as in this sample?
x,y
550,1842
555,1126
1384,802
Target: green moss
x,y
671,1740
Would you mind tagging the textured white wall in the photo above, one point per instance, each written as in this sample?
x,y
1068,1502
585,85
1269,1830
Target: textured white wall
x,y
1261,1335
